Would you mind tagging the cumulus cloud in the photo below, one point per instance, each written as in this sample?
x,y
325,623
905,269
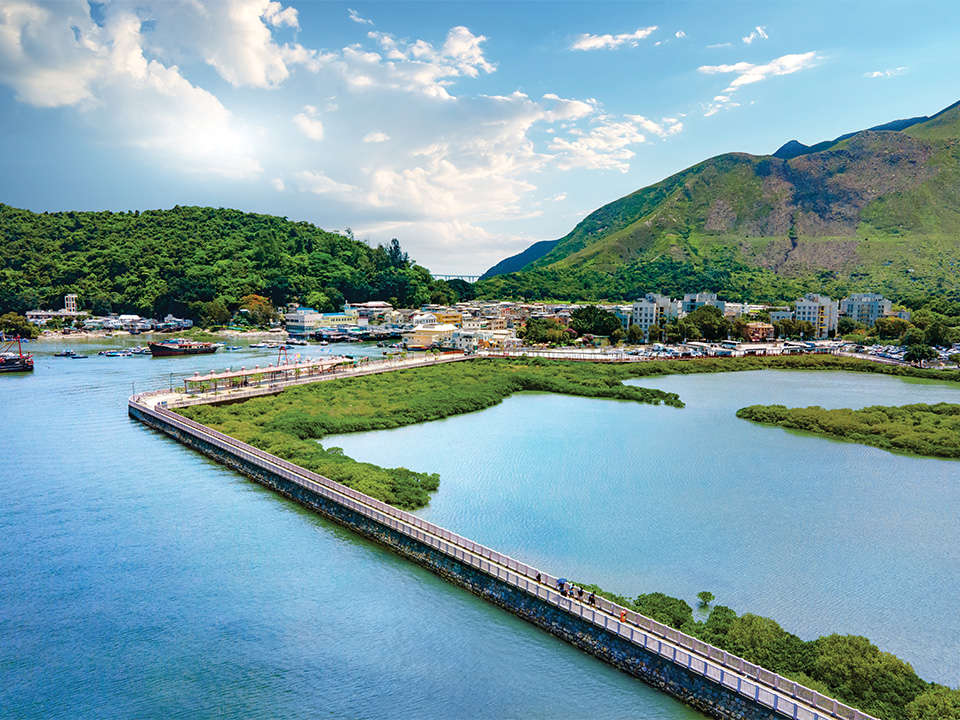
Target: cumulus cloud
x,y
748,74
886,73
309,123
57,56
355,16
680,34
417,66
663,129
610,42
605,147
376,137
758,32
318,183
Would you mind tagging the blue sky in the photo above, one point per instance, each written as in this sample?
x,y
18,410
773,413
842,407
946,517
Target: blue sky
x,y
467,130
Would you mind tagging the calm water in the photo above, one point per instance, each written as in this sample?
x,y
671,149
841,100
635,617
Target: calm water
x,y
824,536
138,579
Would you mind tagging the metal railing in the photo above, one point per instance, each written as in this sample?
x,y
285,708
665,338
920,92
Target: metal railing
x,y
747,679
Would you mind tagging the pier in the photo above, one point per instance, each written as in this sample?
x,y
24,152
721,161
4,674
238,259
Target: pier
x,y
711,680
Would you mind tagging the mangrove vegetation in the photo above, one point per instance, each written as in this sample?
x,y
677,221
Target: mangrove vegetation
x,y
930,430
847,667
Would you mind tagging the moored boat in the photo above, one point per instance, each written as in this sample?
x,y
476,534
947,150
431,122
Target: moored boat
x,y
181,347
11,361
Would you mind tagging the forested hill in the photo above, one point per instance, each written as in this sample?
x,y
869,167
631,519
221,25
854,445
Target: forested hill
x,y
182,259
877,210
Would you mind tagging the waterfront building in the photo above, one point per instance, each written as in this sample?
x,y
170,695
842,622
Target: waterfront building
x,y
426,336
759,332
820,311
865,307
691,301
780,315
305,321
644,314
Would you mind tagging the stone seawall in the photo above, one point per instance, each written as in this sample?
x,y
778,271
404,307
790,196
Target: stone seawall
x,y
725,696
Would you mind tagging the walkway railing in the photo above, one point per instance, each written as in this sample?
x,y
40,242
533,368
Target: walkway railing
x,y
767,688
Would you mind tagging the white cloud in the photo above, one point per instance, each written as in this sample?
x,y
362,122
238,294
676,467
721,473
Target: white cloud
x,y
309,123
609,42
886,73
318,183
355,16
759,32
606,146
278,184
376,137
680,34
58,56
559,197
415,66
718,45
236,37
748,74
664,128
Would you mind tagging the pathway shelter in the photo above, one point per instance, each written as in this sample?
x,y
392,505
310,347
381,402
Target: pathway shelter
x,y
259,376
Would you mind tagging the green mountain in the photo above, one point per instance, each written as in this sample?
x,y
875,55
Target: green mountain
x,y
875,210
192,260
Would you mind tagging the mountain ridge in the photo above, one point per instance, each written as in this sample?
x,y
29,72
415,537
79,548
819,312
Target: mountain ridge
x,y
797,217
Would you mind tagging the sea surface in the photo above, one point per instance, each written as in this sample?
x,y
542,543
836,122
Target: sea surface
x,y
139,579
824,536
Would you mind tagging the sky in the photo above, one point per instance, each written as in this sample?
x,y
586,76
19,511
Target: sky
x,y
466,130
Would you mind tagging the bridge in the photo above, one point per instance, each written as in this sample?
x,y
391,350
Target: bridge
x,y
468,278
709,679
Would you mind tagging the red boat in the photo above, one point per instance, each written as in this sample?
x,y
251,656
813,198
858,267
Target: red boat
x,y
15,361
181,347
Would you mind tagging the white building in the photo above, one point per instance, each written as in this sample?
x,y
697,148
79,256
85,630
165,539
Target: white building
x,y
865,307
691,301
820,311
644,314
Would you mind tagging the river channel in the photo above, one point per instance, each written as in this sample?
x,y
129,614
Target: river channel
x,y
139,579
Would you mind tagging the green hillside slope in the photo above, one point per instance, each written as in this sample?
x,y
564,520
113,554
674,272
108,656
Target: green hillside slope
x,y
876,210
181,259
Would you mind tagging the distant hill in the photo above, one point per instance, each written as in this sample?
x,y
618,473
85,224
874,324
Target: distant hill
x,y
521,259
183,259
874,210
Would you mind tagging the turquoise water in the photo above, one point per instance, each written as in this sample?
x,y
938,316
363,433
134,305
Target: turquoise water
x,y
138,579
824,536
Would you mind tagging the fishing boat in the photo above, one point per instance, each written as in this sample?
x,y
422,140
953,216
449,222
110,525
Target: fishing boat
x,y
11,361
170,348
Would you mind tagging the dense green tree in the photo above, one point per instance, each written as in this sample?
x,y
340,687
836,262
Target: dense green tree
x,y
706,597
215,312
261,310
876,682
664,609
891,328
634,334
593,320
913,336
937,703
711,323
937,333
918,353
13,324
846,325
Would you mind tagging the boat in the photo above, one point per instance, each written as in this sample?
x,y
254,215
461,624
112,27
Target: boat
x,y
63,353
11,361
78,357
170,348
